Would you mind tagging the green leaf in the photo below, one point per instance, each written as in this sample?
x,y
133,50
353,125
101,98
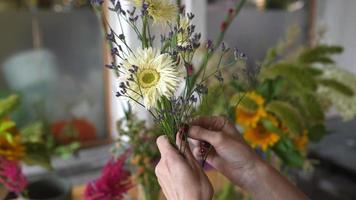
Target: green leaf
x,y
289,116
239,87
313,71
9,137
269,89
292,74
320,54
33,133
317,132
8,105
271,127
288,153
336,85
67,150
312,107
37,154
248,104
6,125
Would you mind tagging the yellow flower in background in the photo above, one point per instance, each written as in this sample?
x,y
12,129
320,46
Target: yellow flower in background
x,y
301,141
162,11
250,118
155,76
11,147
259,136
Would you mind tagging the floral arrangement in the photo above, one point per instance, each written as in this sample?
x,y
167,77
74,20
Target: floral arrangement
x,y
280,106
168,78
30,145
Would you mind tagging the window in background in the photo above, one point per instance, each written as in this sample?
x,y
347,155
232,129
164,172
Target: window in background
x,y
54,60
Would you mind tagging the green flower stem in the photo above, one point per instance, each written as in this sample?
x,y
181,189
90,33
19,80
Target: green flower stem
x,y
218,42
144,32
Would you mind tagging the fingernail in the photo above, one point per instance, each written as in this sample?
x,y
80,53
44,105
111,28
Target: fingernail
x,y
180,134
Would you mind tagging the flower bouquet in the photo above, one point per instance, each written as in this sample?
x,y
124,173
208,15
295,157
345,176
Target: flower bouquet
x,y
160,75
169,78
286,109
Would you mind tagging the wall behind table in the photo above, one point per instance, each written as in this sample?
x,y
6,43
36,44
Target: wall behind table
x,y
339,19
253,31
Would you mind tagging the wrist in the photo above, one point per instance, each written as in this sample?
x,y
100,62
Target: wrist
x,y
253,174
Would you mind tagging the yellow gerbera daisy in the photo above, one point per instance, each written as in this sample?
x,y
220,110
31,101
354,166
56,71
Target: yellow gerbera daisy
x,y
155,76
249,118
161,11
259,136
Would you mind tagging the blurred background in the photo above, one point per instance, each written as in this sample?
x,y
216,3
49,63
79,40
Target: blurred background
x,y
53,52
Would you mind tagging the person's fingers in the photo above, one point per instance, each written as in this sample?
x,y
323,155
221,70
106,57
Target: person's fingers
x,y
202,134
185,148
212,158
164,147
179,138
216,123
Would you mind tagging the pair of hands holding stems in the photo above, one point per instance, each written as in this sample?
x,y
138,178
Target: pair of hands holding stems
x,y
182,178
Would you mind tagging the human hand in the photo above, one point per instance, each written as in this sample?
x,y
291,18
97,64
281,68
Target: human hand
x,y
179,175
230,154
238,162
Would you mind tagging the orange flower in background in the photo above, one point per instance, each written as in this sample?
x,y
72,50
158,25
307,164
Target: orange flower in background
x,y
250,118
11,147
301,141
259,136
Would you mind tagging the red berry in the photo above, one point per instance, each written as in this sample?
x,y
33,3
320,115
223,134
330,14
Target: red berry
x,y
223,26
231,11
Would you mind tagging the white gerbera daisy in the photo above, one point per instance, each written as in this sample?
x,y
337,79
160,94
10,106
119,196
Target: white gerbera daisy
x,y
155,76
162,11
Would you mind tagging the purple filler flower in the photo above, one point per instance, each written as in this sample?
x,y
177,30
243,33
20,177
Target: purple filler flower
x,y
113,183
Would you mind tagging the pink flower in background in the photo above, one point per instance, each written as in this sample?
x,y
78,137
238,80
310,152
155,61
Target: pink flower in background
x,y
113,183
11,175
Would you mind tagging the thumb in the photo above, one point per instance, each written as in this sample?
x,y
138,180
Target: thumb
x,y
164,146
213,137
